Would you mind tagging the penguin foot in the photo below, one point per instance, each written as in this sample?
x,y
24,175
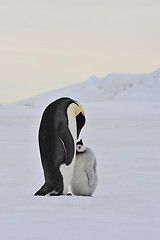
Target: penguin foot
x,y
54,193
69,194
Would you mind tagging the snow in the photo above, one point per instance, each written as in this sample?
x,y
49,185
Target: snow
x,y
124,135
139,87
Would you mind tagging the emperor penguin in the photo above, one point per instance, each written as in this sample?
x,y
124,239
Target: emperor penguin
x,y
84,181
60,126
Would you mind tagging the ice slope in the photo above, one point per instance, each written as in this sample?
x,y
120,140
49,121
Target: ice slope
x,y
125,138
139,87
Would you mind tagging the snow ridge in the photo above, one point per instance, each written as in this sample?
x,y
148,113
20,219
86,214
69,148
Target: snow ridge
x,y
132,87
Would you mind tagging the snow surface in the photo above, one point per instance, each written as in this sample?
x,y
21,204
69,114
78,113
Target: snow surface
x,y
124,136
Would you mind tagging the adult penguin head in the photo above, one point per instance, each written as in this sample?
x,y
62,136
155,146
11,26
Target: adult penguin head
x,y
80,118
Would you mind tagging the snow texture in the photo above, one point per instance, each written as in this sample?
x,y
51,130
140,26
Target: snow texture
x,y
124,136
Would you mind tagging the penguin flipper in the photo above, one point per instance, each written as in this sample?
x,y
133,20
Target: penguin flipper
x,y
90,175
68,145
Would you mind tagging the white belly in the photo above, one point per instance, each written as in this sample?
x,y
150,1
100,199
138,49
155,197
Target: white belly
x,y
67,171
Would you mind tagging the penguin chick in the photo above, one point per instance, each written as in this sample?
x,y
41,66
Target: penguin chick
x,y
84,179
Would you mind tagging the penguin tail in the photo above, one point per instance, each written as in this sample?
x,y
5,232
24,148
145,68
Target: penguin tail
x,y
45,189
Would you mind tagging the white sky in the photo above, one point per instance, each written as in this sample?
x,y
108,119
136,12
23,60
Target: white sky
x,y
53,43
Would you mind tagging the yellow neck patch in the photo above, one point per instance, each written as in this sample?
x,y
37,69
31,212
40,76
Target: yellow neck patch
x,y
78,109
